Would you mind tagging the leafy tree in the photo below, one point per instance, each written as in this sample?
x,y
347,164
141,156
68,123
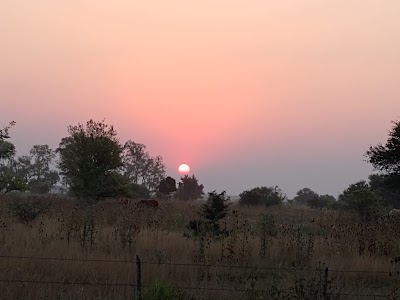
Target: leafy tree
x,y
135,158
382,187
7,150
4,135
360,198
167,186
88,157
189,188
41,178
305,195
154,173
267,196
386,158
140,167
23,167
9,181
42,156
7,153
321,201
35,170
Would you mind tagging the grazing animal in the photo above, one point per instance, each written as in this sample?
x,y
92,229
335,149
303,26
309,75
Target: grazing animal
x,y
148,203
123,200
394,212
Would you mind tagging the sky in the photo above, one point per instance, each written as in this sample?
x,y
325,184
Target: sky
x,y
248,93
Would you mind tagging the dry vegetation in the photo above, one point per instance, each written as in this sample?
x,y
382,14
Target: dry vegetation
x,y
267,242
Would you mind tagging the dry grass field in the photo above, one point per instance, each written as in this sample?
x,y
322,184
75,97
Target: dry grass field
x,y
270,253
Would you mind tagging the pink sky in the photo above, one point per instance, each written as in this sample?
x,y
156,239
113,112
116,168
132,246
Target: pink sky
x,y
248,93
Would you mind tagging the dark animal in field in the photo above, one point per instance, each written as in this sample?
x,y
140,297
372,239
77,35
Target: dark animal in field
x,y
123,200
148,203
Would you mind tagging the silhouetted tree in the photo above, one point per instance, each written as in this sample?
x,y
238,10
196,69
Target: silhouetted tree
x,y
389,194
4,135
386,158
305,195
9,180
167,186
7,150
266,196
88,157
211,215
360,198
189,188
41,177
140,167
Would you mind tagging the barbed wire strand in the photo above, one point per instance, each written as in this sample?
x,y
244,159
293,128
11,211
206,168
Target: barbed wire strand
x,y
66,282
189,264
178,287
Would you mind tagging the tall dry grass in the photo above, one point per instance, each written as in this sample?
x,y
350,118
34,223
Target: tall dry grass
x,y
302,239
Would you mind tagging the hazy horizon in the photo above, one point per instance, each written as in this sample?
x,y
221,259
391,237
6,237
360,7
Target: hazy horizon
x,y
248,94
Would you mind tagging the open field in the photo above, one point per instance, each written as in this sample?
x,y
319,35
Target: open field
x,y
270,253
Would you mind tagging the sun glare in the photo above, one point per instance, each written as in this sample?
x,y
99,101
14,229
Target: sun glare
x,y
184,169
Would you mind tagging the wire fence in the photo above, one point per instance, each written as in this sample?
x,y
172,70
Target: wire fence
x,y
139,285
186,264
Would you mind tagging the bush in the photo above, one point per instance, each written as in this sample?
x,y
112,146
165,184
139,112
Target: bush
x,y
27,210
161,291
118,185
321,201
267,196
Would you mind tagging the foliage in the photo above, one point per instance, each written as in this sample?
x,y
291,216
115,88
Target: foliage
x,y
88,156
266,196
36,169
161,291
27,210
386,158
382,187
359,198
189,188
167,186
321,201
213,212
267,229
4,131
10,183
117,185
9,180
318,286
7,150
140,167
305,195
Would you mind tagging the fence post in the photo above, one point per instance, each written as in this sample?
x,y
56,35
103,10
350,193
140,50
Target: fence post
x,y
138,279
325,293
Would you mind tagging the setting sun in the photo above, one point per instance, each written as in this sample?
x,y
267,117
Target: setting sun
x,y
184,169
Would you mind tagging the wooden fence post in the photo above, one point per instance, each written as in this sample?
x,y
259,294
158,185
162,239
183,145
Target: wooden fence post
x,y
325,293
138,279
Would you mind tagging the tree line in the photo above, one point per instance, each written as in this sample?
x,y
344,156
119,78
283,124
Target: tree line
x,y
93,164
